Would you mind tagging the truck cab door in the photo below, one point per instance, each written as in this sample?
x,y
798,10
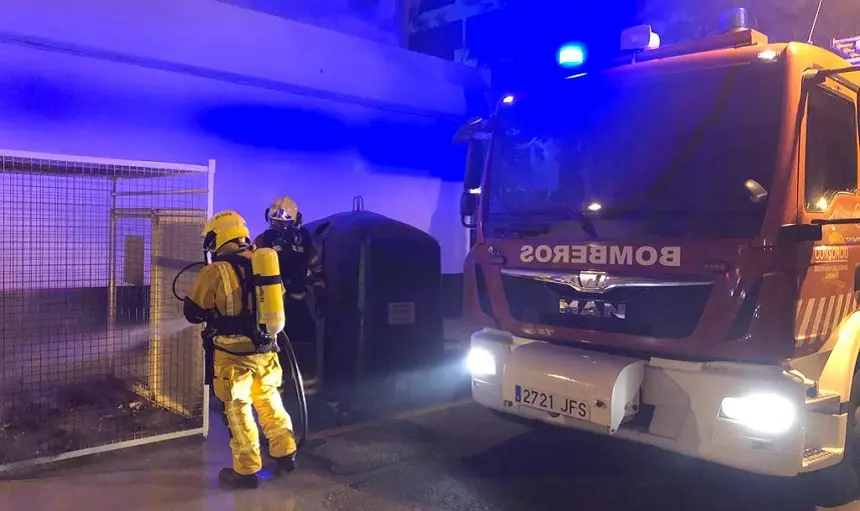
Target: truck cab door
x,y
828,190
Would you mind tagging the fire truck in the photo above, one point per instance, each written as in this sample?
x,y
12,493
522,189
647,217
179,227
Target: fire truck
x,y
667,251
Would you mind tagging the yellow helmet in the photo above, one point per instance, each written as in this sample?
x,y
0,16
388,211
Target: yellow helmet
x,y
284,210
224,226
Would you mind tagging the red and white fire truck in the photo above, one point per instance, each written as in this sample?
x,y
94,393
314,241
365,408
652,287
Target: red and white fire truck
x,y
668,252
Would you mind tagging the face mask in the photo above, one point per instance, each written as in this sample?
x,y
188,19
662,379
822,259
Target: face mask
x,y
286,235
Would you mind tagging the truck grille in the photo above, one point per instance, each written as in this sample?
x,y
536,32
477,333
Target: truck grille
x,y
662,312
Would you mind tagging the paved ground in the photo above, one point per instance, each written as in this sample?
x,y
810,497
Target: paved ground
x,y
452,455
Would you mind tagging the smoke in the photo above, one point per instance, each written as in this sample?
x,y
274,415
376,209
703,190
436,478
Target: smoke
x,y
59,358
173,326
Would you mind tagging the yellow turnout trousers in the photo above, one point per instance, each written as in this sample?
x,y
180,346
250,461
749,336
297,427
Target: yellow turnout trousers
x,y
241,381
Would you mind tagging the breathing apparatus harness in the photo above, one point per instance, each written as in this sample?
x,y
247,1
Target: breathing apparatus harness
x,y
246,323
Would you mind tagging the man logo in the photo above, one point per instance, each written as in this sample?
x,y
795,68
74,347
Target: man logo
x,y
593,308
592,281
586,281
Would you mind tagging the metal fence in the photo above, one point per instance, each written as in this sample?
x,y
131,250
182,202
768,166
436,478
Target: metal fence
x,y
95,354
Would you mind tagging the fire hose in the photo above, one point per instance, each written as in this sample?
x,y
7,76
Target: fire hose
x,y
284,342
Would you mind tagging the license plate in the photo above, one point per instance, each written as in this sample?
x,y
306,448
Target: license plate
x,y
576,408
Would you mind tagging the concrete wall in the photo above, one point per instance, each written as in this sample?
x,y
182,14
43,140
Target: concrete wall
x,y
384,21
283,107
215,37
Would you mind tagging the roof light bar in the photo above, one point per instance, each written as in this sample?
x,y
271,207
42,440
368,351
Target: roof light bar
x,y
848,48
640,37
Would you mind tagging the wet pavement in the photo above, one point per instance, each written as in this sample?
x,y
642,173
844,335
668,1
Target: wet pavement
x,y
448,455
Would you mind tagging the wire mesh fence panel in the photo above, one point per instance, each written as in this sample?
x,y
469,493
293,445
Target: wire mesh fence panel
x,y
175,346
129,295
94,352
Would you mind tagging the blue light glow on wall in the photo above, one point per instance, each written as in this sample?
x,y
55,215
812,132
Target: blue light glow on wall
x,y
422,147
265,143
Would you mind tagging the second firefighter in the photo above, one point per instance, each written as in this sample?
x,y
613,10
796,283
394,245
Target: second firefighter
x,y
301,270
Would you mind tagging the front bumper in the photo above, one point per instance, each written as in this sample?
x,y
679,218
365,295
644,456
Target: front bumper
x,y
669,404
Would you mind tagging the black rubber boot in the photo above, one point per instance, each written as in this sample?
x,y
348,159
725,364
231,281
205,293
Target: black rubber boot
x,y
231,479
285,465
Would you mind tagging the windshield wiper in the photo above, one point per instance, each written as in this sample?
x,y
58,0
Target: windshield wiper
x,y
566,213
554,213
662,214
521,230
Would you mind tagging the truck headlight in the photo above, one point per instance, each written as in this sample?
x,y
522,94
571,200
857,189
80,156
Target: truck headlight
x,y
767,413
481,362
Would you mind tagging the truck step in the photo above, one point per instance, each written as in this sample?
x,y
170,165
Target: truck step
x,y
827,401
815,456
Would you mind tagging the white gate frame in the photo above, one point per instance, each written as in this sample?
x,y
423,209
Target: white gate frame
x,y
181,167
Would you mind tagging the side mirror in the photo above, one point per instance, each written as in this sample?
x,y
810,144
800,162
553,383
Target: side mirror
x,y
468,208
799,233
474,165
472,129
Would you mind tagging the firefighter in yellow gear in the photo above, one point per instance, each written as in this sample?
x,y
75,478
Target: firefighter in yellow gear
x,y
246,370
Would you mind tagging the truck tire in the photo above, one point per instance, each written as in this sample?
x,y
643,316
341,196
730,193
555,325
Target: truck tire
x,y
840,484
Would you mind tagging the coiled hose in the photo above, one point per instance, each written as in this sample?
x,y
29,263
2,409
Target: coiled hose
x,y
287,346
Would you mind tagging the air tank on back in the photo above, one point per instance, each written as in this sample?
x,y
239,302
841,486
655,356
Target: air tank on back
x,y
383,315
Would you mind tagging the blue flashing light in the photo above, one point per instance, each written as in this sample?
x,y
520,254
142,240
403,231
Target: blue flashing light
x,y
508,100
571,55
736,19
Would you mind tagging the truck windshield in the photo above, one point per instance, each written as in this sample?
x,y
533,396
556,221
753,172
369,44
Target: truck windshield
x,y
686,154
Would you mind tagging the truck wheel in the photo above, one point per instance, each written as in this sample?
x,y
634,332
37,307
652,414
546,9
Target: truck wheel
x,y
840,484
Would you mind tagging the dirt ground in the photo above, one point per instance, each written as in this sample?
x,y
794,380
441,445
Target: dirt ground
x,y
80,416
